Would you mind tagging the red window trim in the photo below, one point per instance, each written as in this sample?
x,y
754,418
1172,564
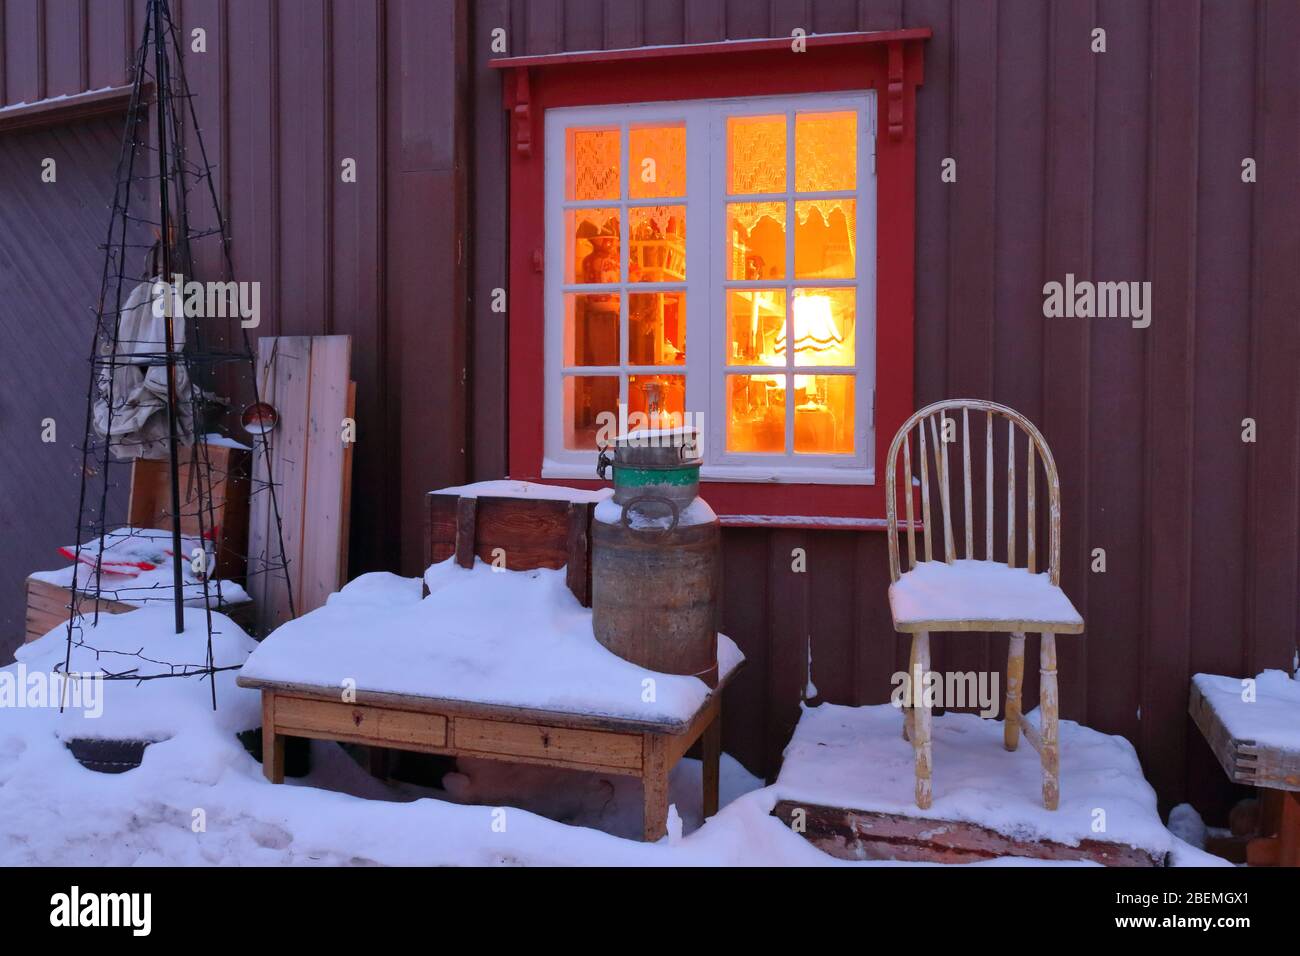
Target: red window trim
x,y
891,63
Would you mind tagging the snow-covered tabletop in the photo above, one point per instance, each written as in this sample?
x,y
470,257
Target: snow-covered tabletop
x,y
1265,710
855,757
508,638
985,592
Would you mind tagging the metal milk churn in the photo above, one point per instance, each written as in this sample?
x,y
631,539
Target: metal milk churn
x,y
656,556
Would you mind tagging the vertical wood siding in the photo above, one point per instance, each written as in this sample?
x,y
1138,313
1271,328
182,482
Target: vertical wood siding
x,y
49,280
285,92
1122,166
1119,166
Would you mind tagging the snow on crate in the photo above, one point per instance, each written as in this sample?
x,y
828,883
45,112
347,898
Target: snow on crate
x,y
137,569
855,757
514,638
507,488
144,643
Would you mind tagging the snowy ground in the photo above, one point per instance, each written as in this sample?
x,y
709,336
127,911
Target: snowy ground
x,y
198,798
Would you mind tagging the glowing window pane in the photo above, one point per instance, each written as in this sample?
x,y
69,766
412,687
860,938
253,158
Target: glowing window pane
x,y
755,154
756,240
825,238
825,151
592,240
592,171
658,244
756,413
656,328
591,330
825,327
823,414
660,399
657,157
755,326
588,400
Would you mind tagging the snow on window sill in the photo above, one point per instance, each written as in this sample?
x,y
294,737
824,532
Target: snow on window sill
x,y
747,474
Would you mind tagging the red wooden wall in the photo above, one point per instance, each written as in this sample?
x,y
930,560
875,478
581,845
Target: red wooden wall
x,y
1123,165
285,92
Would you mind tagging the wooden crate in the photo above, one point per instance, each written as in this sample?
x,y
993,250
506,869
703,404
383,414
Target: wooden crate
x,y
1274,769
150,503
48,606
523,533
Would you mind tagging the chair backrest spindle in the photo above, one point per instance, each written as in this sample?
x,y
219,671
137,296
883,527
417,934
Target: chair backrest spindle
x,y
911,525
1030,515
988,489
1011,494
925,497
965,451
938,434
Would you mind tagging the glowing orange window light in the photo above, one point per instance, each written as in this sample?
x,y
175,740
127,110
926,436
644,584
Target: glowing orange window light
x,y
814,326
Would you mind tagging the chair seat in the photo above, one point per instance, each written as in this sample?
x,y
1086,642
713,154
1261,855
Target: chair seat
x,y
980,596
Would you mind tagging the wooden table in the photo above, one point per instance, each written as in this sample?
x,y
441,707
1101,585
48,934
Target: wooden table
x,y
591,742
1276,771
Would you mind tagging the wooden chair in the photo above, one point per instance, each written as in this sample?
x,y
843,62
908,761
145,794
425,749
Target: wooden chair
x,y
972,594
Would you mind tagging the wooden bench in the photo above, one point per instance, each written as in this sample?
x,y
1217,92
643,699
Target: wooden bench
x,y
1274,769
595,743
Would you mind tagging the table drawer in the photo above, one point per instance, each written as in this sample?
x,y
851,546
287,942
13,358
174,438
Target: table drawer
x,y
336,720
590,748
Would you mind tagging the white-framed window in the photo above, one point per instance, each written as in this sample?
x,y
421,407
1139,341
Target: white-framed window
x,y
687,244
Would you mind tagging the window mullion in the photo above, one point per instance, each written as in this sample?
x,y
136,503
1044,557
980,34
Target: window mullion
x,y
790,225
624,254
702,381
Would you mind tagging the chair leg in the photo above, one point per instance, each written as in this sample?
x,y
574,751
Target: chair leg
x,y
1015,680
1051,754
913,687
921,720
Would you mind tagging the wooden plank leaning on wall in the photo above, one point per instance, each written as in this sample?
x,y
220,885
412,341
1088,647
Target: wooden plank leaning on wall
x,y
306,379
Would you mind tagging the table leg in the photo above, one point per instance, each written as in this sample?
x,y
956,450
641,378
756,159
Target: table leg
x,y
712,754
654,778
1289,830
272,743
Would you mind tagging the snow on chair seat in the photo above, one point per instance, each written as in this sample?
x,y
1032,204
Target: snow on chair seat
x,y
973,595
968,594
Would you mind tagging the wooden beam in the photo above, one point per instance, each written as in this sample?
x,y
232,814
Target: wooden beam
x,y
466,519
868,835
678,50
